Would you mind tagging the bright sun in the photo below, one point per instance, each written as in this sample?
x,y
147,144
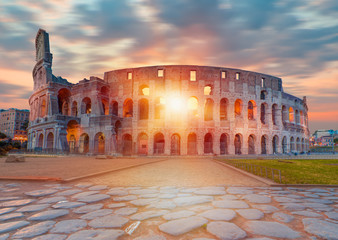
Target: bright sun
x,y
176,103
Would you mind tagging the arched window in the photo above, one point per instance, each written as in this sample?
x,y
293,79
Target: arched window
x,y
263,144
298,144
43,108
115,108
285,115
74,109
297,117
127,145
144,90
99,143
192,107
274,114
208,90
72,142
63,98
128,108
192,144
251,144
238,108
251,110
275,144
143,144
65,109
301,117
84,143
238,144
105,107
285,145
223,109
292,144
159,143
50,141
208,110
175,148
208,143
86,106
263,113
143,107
291,115
223,144
40,141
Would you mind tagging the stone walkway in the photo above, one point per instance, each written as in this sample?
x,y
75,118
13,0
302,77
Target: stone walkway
x,y
86,211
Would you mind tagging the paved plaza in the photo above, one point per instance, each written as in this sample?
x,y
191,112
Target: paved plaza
x,y
195,202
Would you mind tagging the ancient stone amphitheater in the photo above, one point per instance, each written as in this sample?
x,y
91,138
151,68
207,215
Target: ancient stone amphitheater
x,y
164,110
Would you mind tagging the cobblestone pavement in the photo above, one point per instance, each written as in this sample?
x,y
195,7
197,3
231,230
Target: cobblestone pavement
x,y
86,211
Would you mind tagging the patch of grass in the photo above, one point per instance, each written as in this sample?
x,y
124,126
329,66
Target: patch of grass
x,y
301,171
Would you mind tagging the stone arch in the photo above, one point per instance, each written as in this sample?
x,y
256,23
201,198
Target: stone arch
x,y
238,143
285,145
99,143
128,108
192,107
285,114
175,144
301,117
208,143
252,110
143,108
298,144
223,109
74,109
223,144
105,107
303,146
84,143
297,117
291,115
208,110
159,143
143,144
72,128
63,101
50,141
192,144
127,145
114,108
43,108
238,107
263,95
274,114
263,113
143,90
292,144
117,129
264,140
40,141
251,144
86,105
159,108
275,141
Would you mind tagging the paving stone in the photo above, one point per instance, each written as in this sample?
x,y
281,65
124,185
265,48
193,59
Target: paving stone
x,y
293,206
211,191
51,237
321,228
88,208
188,201
239,190
125,198
162,205
169,191
10,226
68,204
188,190
117,205
225,230
6,210
181,226
317,190
13,185
49,214
98,234
203,239
109,221
52,200
94,198
69,226
84,185
9,198
10,216
4,236
33,208
306,213
118,192
166,195
85,194
219,214
143,202
143,191
148,214
287,200
255,198
319,206
263,238
230,204
179,214
332,215
34,230
184,195
16,203
200,208
98,187
252,214
270,229
41,193
69,192
318,200
125,211
282,217
229,197
97,213
151,237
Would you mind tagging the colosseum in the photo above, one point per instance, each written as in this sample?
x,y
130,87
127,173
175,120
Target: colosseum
x,y
164,110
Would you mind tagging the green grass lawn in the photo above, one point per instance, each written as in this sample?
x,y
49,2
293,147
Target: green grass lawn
x,y
300,171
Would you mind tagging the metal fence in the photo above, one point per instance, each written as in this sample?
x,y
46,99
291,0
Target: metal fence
x,y
262,171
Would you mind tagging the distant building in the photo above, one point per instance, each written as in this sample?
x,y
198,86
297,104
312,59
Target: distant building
x,y
12,123
323,137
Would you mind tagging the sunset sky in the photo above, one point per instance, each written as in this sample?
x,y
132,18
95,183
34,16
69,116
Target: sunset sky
x,y
294,40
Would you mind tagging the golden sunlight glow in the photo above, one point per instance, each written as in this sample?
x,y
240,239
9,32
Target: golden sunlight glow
x,y
145,91
192,103
175,103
